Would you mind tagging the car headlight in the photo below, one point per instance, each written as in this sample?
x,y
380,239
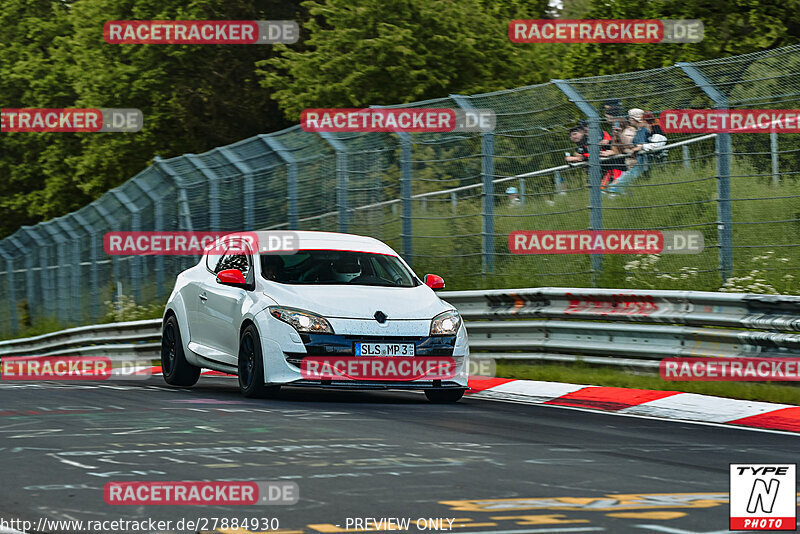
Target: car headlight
x,y
446,324
302,321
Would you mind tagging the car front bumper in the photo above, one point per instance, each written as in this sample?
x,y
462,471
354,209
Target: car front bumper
x,y
284,350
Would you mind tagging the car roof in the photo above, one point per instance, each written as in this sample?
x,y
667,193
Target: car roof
x,y
309,240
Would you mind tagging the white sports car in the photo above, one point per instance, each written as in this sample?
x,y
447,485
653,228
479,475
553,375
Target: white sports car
x,y
338,300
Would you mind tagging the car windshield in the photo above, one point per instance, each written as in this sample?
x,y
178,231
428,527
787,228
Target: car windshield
x,y
337,267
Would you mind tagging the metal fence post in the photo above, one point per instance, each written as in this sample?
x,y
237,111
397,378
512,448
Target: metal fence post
x,y
522,191
112,223
291,167
213,190
341,178
76,266
136,226
44,280
687,164
595,173
158,221
487,175
30,284
723,150
184,209
12,299
247,186
773,147
61,289
407,211
94,278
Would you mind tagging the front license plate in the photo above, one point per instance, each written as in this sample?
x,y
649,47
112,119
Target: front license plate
x,y
384,349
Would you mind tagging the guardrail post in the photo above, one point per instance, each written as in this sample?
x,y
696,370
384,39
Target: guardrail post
x,y
595,173
487,175
522,191
76,266
341,178
136,226
686,160
773,147
247,187
30,284
407,204
12,299
94,257
291,168
723,150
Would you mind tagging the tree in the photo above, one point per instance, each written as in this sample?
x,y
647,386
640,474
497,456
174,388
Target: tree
x,y
731,27
399,51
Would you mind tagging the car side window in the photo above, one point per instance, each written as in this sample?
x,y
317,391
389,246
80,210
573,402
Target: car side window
x,y
235,260
212,260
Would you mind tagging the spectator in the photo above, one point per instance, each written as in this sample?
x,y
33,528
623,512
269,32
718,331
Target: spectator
x,y
580,136
621,142
513,196
636,161
656,140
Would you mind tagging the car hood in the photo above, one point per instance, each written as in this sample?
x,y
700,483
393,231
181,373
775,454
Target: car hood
x,y
359,302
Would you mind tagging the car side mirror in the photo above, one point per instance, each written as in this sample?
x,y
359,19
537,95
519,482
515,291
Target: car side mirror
x,y
232,277
434,281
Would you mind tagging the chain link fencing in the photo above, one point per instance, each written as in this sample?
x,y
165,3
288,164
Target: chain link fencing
x,y
440,198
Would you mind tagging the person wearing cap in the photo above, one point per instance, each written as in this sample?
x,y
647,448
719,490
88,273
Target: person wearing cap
x,y
513,196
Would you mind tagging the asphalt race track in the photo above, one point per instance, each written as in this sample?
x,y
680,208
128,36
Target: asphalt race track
x,y
477,466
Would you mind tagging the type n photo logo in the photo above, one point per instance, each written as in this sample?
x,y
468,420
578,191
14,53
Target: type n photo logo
x,y
763,497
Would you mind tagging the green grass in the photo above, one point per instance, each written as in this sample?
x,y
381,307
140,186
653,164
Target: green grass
x,y
667,197
582,373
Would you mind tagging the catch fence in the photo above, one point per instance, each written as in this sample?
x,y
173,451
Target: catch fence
x,y
440,198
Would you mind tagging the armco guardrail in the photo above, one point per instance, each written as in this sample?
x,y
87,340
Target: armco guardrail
x,y
133,340
611,326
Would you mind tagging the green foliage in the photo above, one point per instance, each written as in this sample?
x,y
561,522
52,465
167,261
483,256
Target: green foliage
x,y
125,309
379,52
194,98
731,27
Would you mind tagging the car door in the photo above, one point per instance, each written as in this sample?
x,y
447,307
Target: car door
x,y
193,298
220,307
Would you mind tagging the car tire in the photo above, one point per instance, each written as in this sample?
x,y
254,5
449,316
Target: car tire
x,y
174,367
444,396
251,366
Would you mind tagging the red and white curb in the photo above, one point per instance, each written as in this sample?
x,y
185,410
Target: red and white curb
x,y
656,404
641,402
